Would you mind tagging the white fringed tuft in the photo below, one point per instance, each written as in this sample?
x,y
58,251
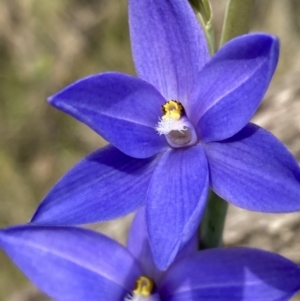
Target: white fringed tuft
x,y
134,298
165,126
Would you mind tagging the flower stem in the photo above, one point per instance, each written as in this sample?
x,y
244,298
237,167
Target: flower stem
x,y
237,19
212,225
204,15
237,22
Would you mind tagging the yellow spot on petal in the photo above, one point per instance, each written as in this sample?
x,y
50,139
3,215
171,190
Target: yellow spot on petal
x,y
172,109
144,286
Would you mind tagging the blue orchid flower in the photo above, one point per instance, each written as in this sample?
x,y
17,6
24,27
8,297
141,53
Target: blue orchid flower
x,y
73,264
179,128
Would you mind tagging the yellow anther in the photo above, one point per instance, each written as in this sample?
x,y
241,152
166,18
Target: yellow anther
x,y
172,109
144,286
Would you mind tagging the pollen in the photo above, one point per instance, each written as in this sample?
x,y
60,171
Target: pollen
x,y
144,286
172,109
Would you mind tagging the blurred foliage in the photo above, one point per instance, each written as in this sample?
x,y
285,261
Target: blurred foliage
x,y
43,48
45,45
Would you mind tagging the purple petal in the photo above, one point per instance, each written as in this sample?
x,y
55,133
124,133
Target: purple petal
x,y
237,274
72,264
189,247
231,86
105,185
153,297
169,46
255,171
123,109
175,201
138,245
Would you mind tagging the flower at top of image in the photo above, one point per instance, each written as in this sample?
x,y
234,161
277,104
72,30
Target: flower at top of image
x,y
177,129
74,264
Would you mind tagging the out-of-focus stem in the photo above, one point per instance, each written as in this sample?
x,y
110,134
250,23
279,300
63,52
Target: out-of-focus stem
x,y
204,14
237,19
212,226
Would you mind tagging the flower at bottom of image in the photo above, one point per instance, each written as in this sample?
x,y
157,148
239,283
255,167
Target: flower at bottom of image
x,y
76,264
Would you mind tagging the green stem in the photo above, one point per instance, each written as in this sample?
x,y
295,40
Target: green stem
x,y
212,225
237,22
237,19
204,14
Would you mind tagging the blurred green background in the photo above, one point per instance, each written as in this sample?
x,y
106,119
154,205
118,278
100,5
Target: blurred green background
x,y
45,45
